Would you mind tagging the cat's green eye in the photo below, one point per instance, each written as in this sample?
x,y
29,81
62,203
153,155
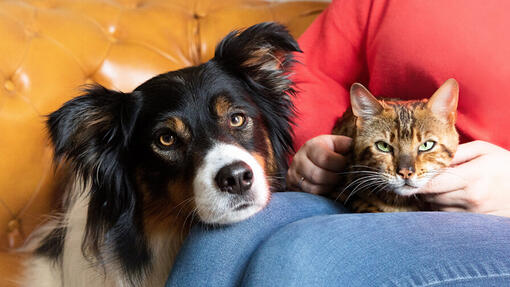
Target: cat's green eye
x,y
382,146
426,146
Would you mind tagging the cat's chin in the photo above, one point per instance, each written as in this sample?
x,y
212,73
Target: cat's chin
x,y
406,190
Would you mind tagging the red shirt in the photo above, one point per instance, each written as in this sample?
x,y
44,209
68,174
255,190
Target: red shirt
x,y
407,49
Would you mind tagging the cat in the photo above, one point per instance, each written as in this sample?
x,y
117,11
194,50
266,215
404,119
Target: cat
x,y
398,146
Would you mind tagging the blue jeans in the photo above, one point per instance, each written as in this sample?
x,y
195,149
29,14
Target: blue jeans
x,y
301,240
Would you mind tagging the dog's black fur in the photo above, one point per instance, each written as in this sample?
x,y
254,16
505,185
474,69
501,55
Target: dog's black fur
x,y
109,138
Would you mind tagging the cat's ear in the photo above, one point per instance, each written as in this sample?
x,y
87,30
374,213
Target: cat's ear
x,y
364,104
443,102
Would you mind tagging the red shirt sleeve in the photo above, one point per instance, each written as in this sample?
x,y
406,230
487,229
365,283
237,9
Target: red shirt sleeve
x,y
332,60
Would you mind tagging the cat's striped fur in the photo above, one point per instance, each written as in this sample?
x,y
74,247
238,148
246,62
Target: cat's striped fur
x,y
388,163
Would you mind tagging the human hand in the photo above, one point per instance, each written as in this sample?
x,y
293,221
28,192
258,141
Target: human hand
x,y
478,181
316,166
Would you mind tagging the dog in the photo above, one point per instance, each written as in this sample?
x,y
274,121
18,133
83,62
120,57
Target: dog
x,y
209,142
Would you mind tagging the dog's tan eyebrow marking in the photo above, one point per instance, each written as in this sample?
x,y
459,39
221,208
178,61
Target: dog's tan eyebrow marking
x,y
179,127
271,162
221,106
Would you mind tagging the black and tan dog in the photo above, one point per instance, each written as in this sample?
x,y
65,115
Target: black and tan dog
x,y
208,142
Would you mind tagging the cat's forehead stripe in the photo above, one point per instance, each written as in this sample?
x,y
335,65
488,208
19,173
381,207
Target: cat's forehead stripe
x,y
404,121
418,136
392,136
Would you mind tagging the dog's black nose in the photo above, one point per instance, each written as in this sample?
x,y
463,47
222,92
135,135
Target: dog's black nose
x,y
235,178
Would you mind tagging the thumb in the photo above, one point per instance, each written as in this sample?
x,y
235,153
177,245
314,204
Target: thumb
x,y
469,151
448,180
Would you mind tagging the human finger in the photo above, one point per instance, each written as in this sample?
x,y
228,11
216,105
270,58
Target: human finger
x,y
309,187
453,209
293,178
447,180
449,208
469,151
456,197
318,175
326,158
295,181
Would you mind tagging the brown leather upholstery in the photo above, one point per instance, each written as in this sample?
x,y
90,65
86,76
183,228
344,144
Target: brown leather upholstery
x,y
48,48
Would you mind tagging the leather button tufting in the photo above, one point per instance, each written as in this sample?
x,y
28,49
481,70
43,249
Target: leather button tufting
x,y
9,85
32,29
112,29
112,34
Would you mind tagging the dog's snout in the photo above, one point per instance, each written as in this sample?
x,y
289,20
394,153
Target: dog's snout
x,y
235,178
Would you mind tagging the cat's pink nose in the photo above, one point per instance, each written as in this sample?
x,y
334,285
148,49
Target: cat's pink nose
x,y
406,173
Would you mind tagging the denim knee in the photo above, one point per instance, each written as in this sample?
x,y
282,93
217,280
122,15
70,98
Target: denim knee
x,y
401,249
218,256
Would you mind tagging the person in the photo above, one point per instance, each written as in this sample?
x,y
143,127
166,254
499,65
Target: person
x,y
401,50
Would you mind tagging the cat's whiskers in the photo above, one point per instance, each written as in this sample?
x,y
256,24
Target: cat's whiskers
x,y
359,179
358,171
362,184
365,175
369,178
367,184
347,187
356,190
365,167
446,170
380,187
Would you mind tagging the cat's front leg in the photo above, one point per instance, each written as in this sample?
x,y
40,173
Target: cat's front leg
x,y
364,206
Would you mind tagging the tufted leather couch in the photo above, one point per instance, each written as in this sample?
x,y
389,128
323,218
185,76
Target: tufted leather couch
x,y
48,48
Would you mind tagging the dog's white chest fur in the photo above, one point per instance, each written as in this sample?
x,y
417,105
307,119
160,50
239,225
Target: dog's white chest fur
x,y
75,270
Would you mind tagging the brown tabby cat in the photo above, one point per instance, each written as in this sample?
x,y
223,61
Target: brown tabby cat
x,y
397,147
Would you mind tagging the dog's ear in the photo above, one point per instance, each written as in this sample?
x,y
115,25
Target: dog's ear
x,y
93,133
262,53
262,56
94,123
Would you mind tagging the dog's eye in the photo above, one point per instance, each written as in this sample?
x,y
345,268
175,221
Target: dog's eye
x,y
167,140
237,120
